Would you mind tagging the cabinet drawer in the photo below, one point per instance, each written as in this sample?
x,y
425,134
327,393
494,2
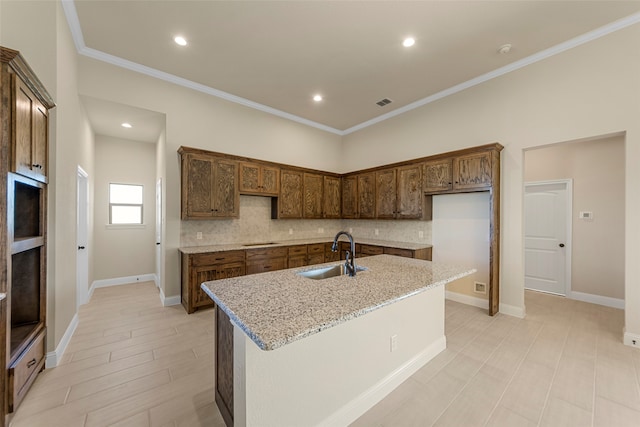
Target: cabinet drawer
x,y
317,248
297,250
265,253
367,250
315,259
24,371
215,258
408,253
262,266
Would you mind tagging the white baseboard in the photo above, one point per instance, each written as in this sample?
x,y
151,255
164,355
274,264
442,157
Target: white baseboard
x,y
365,401
632,340
115,281
467,299
167,301
512,310
53,357
597,299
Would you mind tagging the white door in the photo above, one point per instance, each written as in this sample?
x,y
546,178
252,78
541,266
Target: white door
x,y
82,232
547,224
159,233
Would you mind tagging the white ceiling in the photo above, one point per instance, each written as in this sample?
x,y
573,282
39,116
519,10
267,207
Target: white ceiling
x,y
275,55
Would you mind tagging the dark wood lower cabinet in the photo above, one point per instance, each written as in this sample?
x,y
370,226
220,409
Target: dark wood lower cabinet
x,y
224,366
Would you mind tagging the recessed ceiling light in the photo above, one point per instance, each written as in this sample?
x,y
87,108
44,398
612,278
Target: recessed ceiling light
x,y
180,40
317,98
505,48
126,125
408,42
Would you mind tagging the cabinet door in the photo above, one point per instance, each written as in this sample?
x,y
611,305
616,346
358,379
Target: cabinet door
x,y
332,196
226,198
197,186
386,194
31,130
438,176
409,196
200,275
270,180
290,200
350,197
472,171
249,178
40,142
367,195
312,196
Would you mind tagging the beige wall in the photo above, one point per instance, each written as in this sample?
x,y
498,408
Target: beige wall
x,y
597,170
122,251
198,120
38,29
587,91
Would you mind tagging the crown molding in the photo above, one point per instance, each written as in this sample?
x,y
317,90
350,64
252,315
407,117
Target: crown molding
x,y
76,32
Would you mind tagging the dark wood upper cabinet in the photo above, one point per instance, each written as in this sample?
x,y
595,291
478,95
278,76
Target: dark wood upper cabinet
x,y
386,188
349,197
259,179
409,198
438,176
313,195
472,171
290,200
30,156
468,172
331,197
209,187
367,195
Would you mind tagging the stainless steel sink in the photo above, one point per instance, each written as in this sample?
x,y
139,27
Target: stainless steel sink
x,y
260,244
326,272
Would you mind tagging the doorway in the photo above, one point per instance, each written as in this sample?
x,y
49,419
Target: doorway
x,y
547,242
82,233
159,233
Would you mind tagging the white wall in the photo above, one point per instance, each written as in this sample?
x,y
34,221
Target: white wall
x,y
587,91
123,251
461,236
597,170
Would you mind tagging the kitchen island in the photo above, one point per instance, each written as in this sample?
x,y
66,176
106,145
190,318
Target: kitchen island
x,y
294,351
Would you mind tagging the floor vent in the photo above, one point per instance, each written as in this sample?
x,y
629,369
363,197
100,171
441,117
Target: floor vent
x,y
383,102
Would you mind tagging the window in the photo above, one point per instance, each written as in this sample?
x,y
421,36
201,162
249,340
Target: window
x,y
125,204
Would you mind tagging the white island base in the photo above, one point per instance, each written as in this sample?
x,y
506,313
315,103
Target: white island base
x,y
333,377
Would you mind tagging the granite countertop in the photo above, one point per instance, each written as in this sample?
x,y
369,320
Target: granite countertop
x,y
240,246
279,307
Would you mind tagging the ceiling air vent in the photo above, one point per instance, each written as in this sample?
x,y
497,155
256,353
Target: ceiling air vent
x,y
383,102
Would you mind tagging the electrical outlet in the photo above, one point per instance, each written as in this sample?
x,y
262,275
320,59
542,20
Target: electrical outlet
x,y
479,287
320,230
376,231
291,231
393,343
350,230
421,234
199,235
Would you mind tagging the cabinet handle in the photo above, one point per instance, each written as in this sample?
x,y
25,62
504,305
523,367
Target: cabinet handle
x,y
35,165
31,363
267,266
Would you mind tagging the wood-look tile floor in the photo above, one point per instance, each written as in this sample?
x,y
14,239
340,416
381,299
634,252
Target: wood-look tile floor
x,y
132,362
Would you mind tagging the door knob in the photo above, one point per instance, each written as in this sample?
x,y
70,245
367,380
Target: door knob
x,y
80,247
561,245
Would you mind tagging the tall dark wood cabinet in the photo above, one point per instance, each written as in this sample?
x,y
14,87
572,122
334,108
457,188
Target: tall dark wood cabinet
x,y
24,140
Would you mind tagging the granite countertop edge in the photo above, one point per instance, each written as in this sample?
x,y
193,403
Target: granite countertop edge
x,y
287,338
310,241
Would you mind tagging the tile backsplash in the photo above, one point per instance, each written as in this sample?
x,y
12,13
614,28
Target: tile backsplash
x,y
255,225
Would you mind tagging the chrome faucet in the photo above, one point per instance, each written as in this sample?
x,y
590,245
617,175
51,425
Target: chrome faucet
x,y
350,258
